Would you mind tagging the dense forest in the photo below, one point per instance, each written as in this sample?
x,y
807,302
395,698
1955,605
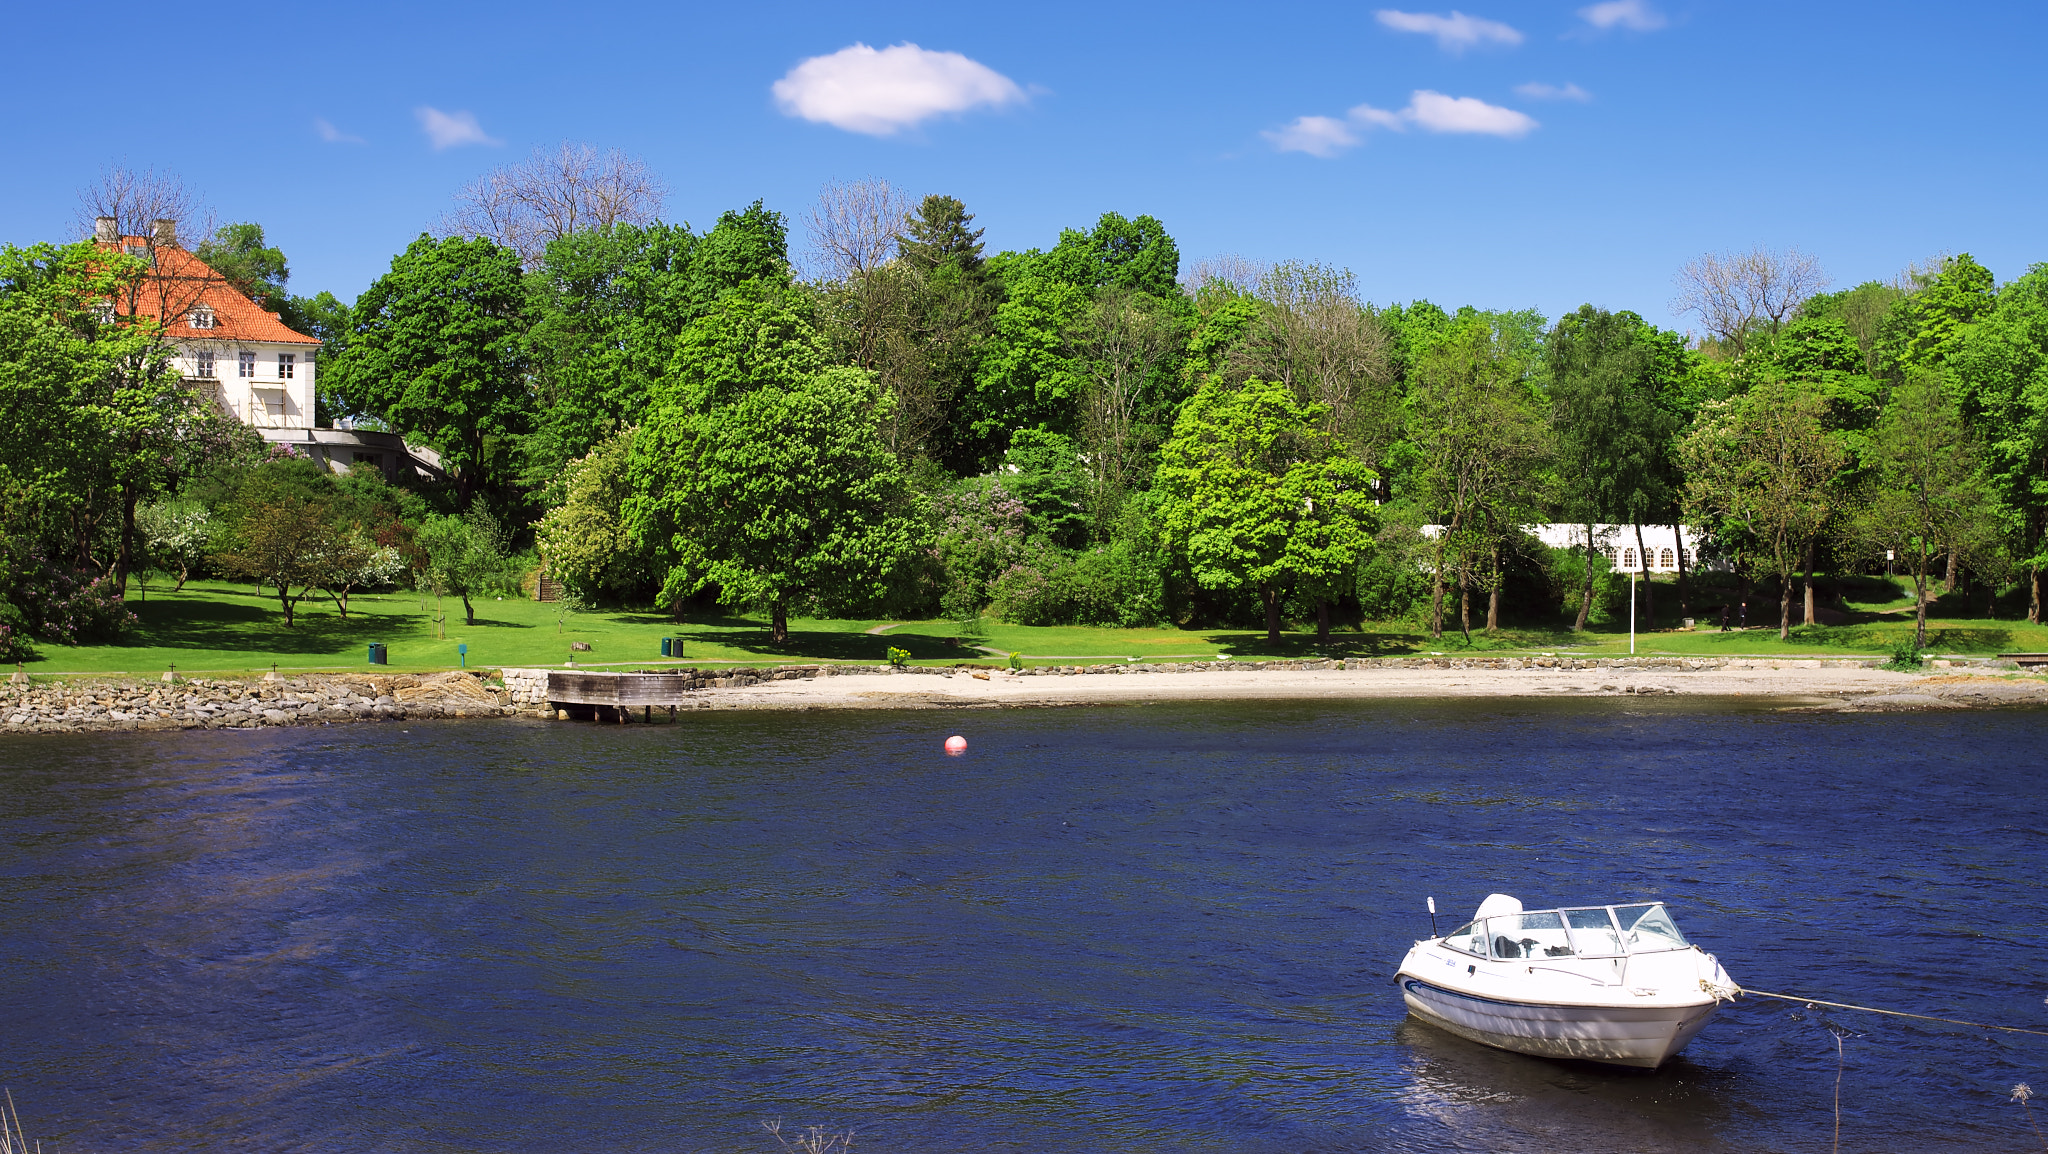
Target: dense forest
x,y
897,422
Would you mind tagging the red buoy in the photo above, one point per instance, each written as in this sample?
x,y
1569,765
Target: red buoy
x,y
956,744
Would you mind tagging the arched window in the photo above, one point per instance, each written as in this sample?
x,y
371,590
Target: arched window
x,y
1628,558
1665,560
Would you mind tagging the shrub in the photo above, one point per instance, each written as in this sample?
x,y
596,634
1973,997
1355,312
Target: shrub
x,y
1118,584
70,606
1905,658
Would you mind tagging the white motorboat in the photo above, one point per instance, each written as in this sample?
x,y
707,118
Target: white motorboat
x,y
1613,984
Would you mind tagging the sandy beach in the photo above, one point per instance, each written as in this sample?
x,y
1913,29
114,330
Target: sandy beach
x,y
1791,684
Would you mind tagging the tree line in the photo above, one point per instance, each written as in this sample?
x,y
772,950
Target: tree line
x,y
898,422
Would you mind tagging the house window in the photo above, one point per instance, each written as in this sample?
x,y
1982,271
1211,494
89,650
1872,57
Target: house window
x,y
248,364
134,249
1628,558
1665,560
376,459
103,312
205,360
202,317
285,362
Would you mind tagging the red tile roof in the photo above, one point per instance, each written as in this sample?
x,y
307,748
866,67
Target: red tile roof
x,y
183,281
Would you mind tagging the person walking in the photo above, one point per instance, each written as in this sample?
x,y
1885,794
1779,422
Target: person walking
x,y
1744,622
1724,617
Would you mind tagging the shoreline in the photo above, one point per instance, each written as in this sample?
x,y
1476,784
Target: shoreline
x,y
1806,685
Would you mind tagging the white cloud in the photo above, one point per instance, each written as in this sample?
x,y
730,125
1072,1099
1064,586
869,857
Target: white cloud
x,y
1454,33
1326,136
1634,15
881,92
451,129
1537,90
333,135
1436,112
1323,136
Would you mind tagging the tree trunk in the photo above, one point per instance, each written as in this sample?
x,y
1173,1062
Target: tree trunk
x,y
284,601
778,622
1322,621
468,610
1271,596
1436,590
1810,618
124,556
1950,583
183,571
1586,598
340,602
2033,596
1493,594
1649,592
1684,589
1920,606
1784,606
1465,608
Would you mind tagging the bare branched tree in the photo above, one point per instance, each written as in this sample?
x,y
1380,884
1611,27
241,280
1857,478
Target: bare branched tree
x,y
137,201
1239,272
1318,339
853,227
554,192
1732,292
1122,345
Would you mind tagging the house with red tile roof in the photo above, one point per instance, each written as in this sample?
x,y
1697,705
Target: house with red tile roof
x,y
246,359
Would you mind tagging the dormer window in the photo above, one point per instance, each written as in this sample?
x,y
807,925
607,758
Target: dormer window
x,y
134,249
202,317
103,312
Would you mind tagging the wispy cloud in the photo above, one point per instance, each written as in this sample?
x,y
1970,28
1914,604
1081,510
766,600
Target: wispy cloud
x,y
447,130
1537,90
333,135
1634,15
1327,136
1454,33
1323,136
881,92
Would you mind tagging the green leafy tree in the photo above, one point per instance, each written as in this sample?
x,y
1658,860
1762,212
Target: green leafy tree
x,y
1927,496
779,495
1255,494
584,542
1609,373
1765,464
254,267
464,556
1922,329
92,411
436,352
286,544
2001,372
1478,439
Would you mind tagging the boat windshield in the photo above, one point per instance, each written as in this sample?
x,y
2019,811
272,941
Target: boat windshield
x,y
1649,928
1586,932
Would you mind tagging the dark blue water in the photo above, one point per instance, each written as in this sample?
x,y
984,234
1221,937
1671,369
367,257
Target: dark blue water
x,y
1165,928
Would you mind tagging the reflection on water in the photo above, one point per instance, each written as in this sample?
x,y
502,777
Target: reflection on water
x,y
1156,928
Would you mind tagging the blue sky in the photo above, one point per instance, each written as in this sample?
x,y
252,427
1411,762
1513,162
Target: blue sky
x,y
1871,135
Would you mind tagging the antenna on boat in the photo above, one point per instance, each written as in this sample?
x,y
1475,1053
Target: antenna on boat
x,y
1432,919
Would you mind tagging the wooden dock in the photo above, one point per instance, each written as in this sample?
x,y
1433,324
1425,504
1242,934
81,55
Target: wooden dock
x,y
591,695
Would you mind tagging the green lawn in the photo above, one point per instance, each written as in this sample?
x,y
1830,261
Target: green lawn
x,y
213,627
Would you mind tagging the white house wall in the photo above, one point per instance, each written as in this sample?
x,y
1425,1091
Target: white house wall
x,y
262,401
1618,542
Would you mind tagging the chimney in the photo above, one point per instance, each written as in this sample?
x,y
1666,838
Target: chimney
x,y
166,233
105,230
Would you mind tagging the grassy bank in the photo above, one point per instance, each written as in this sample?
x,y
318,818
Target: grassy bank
x,y
222,628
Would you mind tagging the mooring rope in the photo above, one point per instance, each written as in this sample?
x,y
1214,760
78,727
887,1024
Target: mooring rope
x,y
1730,993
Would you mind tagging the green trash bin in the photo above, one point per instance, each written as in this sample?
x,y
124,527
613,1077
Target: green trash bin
x,y
379,655
664,646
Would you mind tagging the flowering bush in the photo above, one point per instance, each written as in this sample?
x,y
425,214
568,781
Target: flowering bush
x,y
65,605
982,531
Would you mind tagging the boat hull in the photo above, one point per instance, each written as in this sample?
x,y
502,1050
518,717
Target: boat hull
x,y
1626,1035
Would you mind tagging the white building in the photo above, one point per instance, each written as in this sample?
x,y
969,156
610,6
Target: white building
x,y
247,360
1618,542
